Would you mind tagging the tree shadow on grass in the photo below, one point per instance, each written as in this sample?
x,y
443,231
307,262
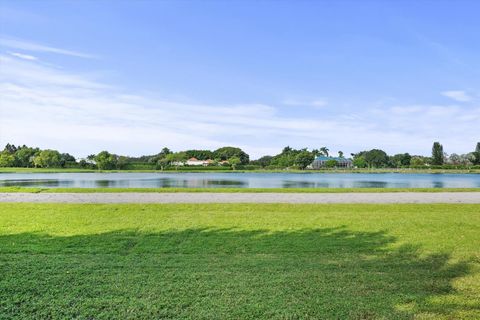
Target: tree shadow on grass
x,y
329,273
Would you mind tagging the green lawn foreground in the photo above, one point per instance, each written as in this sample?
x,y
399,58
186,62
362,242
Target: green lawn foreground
x,y
239,261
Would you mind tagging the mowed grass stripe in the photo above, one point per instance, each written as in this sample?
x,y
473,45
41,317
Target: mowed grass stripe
x,y
204,261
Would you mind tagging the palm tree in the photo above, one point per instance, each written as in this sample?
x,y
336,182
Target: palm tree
x,y
324,151
340,154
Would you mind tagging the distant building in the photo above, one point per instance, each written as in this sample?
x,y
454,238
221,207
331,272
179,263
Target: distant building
x,y
321,162
195,162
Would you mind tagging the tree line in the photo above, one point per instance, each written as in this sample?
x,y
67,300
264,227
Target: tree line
x,y
232,157
27,157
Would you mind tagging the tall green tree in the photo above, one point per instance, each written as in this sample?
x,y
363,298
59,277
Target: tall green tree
x,y
304,159
122,162
376,158
162,163
400,160
176,159
106,161
324,151
6,159
286,150
226,153
234,162
66,158
165,151
476,154
359,162
10,148
263,161
332,163
417,161
200,154
25,156
437,153
47,159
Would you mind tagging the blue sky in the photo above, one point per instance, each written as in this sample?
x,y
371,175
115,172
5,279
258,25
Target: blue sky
x,y
134,76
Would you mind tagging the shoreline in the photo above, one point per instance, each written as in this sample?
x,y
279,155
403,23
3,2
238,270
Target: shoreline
x,y
293,171
233,190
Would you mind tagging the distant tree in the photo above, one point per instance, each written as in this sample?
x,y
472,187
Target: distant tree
x,y
304,159
10,148
286,150
199,154
234,161
283,160
176,159
165,151
340,154
476,154
162,163
287,157
66,158
437,153
83,163
264,161
467,159
454,159
417,161
6,159
400,160
332,163
226,153
376,158
156,158
359,162
316,152
106,161
47,159
122,162
24,156
324,151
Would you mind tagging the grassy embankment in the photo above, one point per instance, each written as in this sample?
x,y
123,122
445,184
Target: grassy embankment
x,y
230,190
197,170
239,261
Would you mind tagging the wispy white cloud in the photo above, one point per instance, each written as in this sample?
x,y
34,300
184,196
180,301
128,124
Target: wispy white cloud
x,y
35,47
317,103
49,107
23,56
457,95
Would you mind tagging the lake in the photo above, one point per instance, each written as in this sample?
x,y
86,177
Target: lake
x,y
240,180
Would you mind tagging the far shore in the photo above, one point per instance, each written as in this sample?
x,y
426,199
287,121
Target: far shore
x,y
202,170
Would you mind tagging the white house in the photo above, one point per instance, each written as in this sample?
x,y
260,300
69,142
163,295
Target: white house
x,y
195,162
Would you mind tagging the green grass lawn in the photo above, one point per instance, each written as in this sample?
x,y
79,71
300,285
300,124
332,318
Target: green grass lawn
x,y
229,190
239,261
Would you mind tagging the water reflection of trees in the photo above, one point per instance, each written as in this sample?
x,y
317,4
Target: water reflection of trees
x,y
37,183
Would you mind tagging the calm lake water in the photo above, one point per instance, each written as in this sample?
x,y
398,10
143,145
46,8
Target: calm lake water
x,y
240,180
